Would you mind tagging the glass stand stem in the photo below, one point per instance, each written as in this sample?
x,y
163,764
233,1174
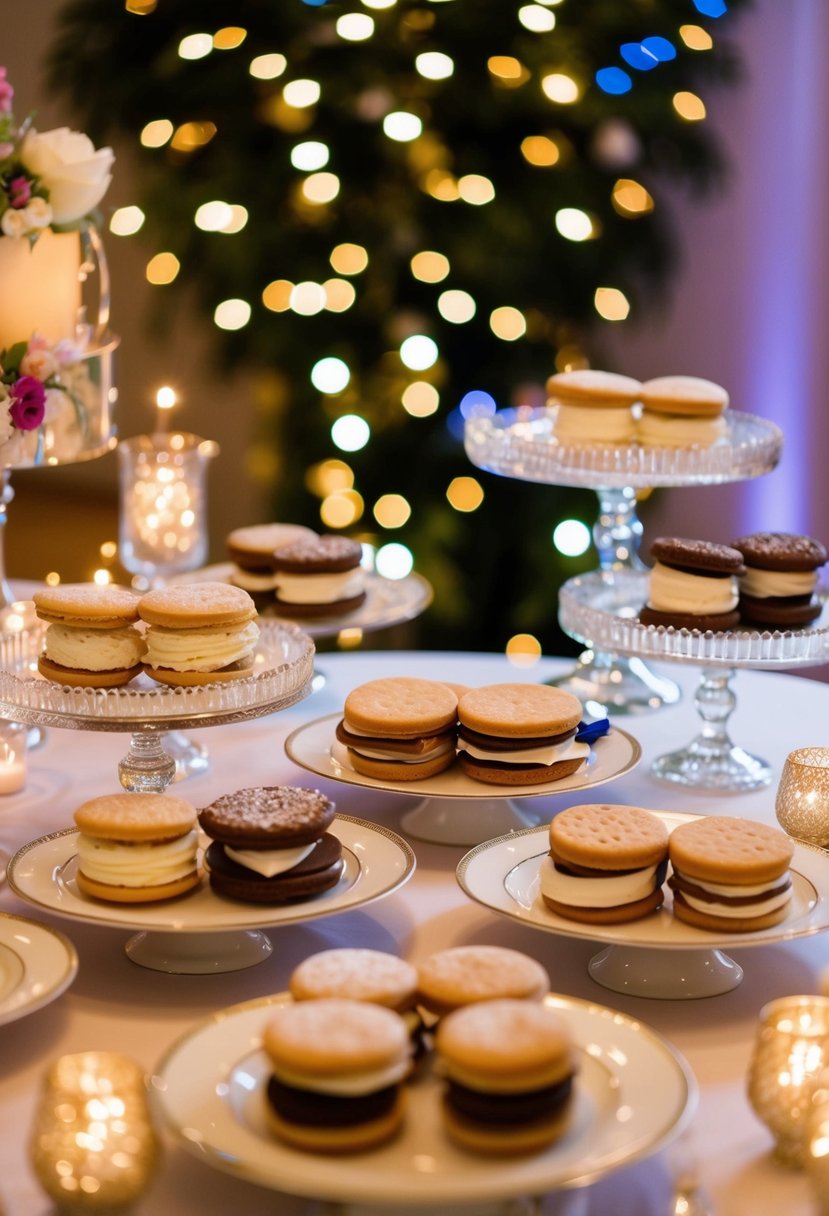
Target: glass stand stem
x,y
711,761
146,768
609,683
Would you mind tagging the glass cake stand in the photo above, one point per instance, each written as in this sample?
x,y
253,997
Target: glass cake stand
x,y
283,666
605,610
521,443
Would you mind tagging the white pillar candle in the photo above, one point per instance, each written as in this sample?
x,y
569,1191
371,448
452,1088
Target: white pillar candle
x,y
41,287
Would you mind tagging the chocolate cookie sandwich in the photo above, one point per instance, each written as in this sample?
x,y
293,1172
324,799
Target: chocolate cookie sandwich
x,y
93,639
465,975
270,845
251,550
199,634
777,587
606,864
693,584
319,576
681,412
730,875
399,728
136,848
338,1068
593,406
519,734
509,1069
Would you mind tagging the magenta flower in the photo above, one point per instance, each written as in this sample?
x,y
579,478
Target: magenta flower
x,y
20,192
28,403
6,93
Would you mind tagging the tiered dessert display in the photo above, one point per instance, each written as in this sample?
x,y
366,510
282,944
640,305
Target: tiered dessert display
x,y
521,443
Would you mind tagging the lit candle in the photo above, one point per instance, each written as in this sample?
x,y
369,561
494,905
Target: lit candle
x,y
165,399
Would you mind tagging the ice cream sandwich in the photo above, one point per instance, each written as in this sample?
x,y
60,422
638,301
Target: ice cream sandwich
x,y
777,586
319,576
399,728
593,406
681,412
464,975
519,734
251,550
93,639
199,633
693,584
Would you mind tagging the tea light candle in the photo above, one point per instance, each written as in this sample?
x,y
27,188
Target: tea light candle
x,y
802,803
13,747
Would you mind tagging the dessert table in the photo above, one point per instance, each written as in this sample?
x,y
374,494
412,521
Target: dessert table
x,y
114,1004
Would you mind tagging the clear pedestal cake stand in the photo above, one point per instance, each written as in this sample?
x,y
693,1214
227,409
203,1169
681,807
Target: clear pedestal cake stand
x,y
521,443
606,611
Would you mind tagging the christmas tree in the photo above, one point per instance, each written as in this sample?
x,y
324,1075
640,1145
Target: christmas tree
x,y
401,211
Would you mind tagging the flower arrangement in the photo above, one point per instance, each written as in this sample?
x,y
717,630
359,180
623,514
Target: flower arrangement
x,y
49,179
28,370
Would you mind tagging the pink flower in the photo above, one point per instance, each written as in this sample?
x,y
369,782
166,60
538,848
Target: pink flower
x,y
6,150
28,403
6,93
41,364
20,191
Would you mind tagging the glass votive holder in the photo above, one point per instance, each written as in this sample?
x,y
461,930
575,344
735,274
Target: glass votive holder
x,y
817,1141
162,493
802,803
790,1050
92,1145
13,756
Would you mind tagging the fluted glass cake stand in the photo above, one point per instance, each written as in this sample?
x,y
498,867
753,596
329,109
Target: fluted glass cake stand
x,y
283,666
521,443
606,611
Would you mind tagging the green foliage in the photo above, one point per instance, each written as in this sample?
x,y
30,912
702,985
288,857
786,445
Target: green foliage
x,y
495,571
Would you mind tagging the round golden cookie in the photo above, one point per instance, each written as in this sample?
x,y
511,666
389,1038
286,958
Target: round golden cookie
x,y
401,706
334,1037
603,836
233,671
396,770
687,396
358,974
465,975
75,677
728,924
519,711
722,849
505,1046
197,606
137,895
350,1138
87,604
132,817
518,776
253,546
592,387
619,915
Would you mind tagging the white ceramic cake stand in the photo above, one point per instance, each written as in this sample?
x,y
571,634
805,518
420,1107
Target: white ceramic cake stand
x,y
521,443
606,610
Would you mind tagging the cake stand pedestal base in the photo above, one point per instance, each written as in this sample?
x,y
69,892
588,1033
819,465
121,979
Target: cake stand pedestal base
x,y
468,821
199,953
666,975
190,758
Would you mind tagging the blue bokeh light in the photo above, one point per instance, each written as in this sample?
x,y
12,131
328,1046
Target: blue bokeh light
x,y
635,54
711,8
614,81
455,424
477,403
314,3
661,48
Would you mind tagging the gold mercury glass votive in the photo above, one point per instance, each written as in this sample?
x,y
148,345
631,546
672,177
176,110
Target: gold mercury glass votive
x,y
92,1145
790,1050
802,804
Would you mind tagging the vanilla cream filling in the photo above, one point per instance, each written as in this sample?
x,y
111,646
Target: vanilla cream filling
x,y
672,590
550,753
584,424
738,911
199,649
121,864
586,892
353,1085
320,588
767,583
446,745
94,649
679,431
269,862
253,582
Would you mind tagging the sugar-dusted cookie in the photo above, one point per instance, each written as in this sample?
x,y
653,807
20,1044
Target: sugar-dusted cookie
x,y
358,974
606,863
693,584
399,728
593,406
681,411
251,549
270,844
777,587
519,734
730,875
199,633
509,1067
92,639
319,576
136,848
337,1072
464,975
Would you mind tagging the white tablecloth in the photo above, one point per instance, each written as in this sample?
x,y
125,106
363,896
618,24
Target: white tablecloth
x,y
114,1004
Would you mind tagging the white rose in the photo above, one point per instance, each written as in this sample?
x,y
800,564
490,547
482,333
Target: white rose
x,y
74,173
38,213
14,223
